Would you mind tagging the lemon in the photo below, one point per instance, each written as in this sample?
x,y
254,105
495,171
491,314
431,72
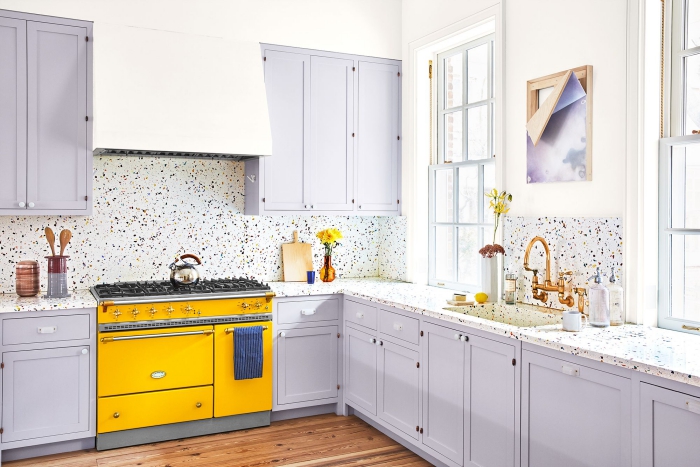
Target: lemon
x,y
481,297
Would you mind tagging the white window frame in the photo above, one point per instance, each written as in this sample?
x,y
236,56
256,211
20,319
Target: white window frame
x,y
482,227
678,30
667,148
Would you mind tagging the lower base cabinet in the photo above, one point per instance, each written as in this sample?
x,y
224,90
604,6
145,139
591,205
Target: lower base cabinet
x,y
669,428
573,415
307,364
399,387
45,393
361,369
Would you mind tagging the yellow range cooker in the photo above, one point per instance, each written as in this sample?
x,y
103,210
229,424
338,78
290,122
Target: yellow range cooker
x,y
165,360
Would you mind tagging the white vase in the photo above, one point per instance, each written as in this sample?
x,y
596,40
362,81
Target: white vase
x,y
491,278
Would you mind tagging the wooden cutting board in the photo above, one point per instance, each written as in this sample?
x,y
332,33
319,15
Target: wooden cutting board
x,y
296,260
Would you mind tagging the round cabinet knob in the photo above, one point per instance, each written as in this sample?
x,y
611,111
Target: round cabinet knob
x,y
21,204
373,340
282,334
457,336
381,342
312,206
306,206
360,315
199,405
464,338
31,205
116,414
359,207
84,351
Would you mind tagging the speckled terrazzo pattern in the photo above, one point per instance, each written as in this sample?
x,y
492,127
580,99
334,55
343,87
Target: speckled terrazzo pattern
x,y
660,352
576,244
78,299
392,247
148,210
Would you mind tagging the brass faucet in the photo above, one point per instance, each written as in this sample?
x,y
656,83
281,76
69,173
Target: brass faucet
x,y
539,291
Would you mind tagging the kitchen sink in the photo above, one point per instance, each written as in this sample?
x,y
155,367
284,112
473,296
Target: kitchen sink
x,y
523,316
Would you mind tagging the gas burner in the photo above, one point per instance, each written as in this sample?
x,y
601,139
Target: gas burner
x,y
165,288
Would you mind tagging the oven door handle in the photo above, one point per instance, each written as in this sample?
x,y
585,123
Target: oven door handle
x,y
206,332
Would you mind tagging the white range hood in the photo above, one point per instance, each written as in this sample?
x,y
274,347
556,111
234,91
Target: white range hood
x,y
163,93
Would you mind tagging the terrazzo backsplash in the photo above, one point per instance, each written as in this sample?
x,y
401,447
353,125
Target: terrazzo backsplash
x,y
576,244
148,210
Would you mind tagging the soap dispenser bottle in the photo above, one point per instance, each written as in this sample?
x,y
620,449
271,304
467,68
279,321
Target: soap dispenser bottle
x,y
598,302
617,297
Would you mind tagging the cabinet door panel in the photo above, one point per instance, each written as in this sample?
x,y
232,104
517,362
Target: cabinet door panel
x,y
45,393
573,415
443,391
670,428
361,370
13,113
490,411
399,387
307,364
377,137
330,153
287,86
57,153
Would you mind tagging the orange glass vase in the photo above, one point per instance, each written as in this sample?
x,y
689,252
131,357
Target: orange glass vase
x,y
327,271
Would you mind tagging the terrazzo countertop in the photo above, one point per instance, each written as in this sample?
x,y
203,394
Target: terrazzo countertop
x,y
10,302
660,352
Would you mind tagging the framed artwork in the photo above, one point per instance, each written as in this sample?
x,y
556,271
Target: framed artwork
x,y
559,126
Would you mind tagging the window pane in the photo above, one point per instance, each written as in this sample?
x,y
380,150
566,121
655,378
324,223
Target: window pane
x,y
489,184
453,81
469,264
685,277
444,253
444,195
693,24
468,196
453,137
692,93
477,133
685,187
477,73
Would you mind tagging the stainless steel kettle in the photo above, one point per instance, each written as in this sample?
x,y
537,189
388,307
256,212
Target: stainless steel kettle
x,y
184,273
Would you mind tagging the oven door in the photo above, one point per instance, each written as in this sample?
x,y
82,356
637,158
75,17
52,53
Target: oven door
x,y
154,359
232,397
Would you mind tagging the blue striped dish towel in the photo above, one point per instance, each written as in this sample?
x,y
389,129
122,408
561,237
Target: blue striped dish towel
x,y
248,352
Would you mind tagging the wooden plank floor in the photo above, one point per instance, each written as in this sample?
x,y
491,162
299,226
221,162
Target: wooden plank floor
x,y
324,440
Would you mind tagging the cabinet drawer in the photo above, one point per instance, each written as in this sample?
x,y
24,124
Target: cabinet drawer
x,y
399,326
179,358
45,329
305,311
364,315
154,408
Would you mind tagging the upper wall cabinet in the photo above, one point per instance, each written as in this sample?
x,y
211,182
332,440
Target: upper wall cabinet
x,y
45,79
335,122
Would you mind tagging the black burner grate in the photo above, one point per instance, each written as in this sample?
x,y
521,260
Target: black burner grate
x,y
160,288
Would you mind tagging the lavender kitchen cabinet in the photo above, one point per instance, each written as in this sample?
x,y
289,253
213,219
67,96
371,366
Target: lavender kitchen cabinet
x,y
45,392
669,428
46,77
307,364
399,387
361,369
378,137
444,359
13,113
573,415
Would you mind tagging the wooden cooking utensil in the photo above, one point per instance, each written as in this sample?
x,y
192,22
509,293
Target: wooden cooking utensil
x,y
64,237
296,260
51,238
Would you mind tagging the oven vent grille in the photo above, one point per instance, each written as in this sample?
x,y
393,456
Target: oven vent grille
x,y
173,323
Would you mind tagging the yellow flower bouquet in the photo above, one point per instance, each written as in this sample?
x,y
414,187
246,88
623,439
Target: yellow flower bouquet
x,y
329,238
498,203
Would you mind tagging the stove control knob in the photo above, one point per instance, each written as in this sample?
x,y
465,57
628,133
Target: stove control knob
x,y
170,310
244,305
258,304
135,312
187,309
153,311
116,313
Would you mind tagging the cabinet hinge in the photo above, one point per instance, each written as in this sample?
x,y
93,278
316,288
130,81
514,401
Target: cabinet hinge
x,y
86,38
338,335
513,362
86,197
417,364
86,119
339,386
421,333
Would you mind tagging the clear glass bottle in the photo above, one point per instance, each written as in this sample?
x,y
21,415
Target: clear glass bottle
x,y
617,297
598,302
510,289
